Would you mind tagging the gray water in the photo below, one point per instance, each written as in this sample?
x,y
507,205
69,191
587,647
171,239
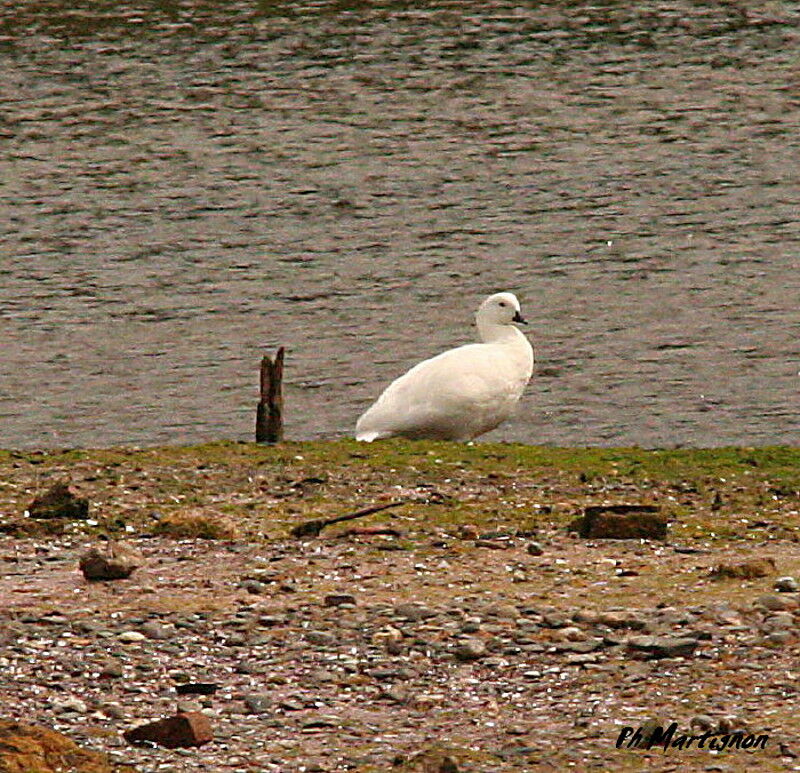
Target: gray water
x,y
186,185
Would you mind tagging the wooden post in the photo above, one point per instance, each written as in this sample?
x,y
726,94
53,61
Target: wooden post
x,y
269,415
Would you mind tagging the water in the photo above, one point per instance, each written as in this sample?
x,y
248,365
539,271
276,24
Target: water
x,y
184,186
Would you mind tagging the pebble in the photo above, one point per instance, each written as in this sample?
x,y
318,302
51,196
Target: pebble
x,y
702,722
787,585
534,549
471,649
321,638
339,599
414,612
504,611
258,703
157,631
112,669
776,603
256,587
131,637
662,646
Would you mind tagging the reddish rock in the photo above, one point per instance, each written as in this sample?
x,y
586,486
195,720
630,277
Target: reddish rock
x,y
112,561
59,501
34,749
189,728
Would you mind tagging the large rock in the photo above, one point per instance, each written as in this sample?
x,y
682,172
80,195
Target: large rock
x,y
34,749
59,501
111,561
189,728
621,522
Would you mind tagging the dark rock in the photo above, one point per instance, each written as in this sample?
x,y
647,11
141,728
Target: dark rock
x,y
621,522
112,561
196,688
33,749
662,646
60,501
337,599
180,730
534,549
750,569
256,587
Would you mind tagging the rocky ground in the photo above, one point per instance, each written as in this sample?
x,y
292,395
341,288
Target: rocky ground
x,y
466,630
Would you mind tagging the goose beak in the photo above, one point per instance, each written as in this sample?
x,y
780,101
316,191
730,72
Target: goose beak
x,y
518,318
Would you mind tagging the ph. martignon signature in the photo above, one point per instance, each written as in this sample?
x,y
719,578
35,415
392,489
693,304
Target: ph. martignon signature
x,y
648,737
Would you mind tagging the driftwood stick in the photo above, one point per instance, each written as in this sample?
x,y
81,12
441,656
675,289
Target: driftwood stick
x,y
269,414
313,528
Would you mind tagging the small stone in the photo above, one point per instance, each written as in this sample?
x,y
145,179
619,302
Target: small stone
x,y
702,722
112,710
321,638
256,587
112,561
571,633
780,621
337,599
780,638
534,549
786,585
112,669
258,703
493,544
180,730
414,612
662,646
394,647
776,603
131,637
59,501
468,531
619,620
504,611
155,630
290,704
396,693
186,705
471,649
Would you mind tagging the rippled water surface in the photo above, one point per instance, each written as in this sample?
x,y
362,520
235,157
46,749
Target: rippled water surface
x,y
184,185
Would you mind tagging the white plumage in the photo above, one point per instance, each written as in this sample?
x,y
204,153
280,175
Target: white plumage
x,y
462,392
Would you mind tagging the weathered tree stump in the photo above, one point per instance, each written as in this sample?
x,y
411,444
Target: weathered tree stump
x,y
269,415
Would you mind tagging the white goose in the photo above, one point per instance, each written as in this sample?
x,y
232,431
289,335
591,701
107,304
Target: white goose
x,y
462,392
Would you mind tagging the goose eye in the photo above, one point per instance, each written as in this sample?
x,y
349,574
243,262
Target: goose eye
x,y
503,304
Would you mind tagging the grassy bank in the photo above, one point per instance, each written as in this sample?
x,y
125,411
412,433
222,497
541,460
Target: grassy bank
x,y
254,492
